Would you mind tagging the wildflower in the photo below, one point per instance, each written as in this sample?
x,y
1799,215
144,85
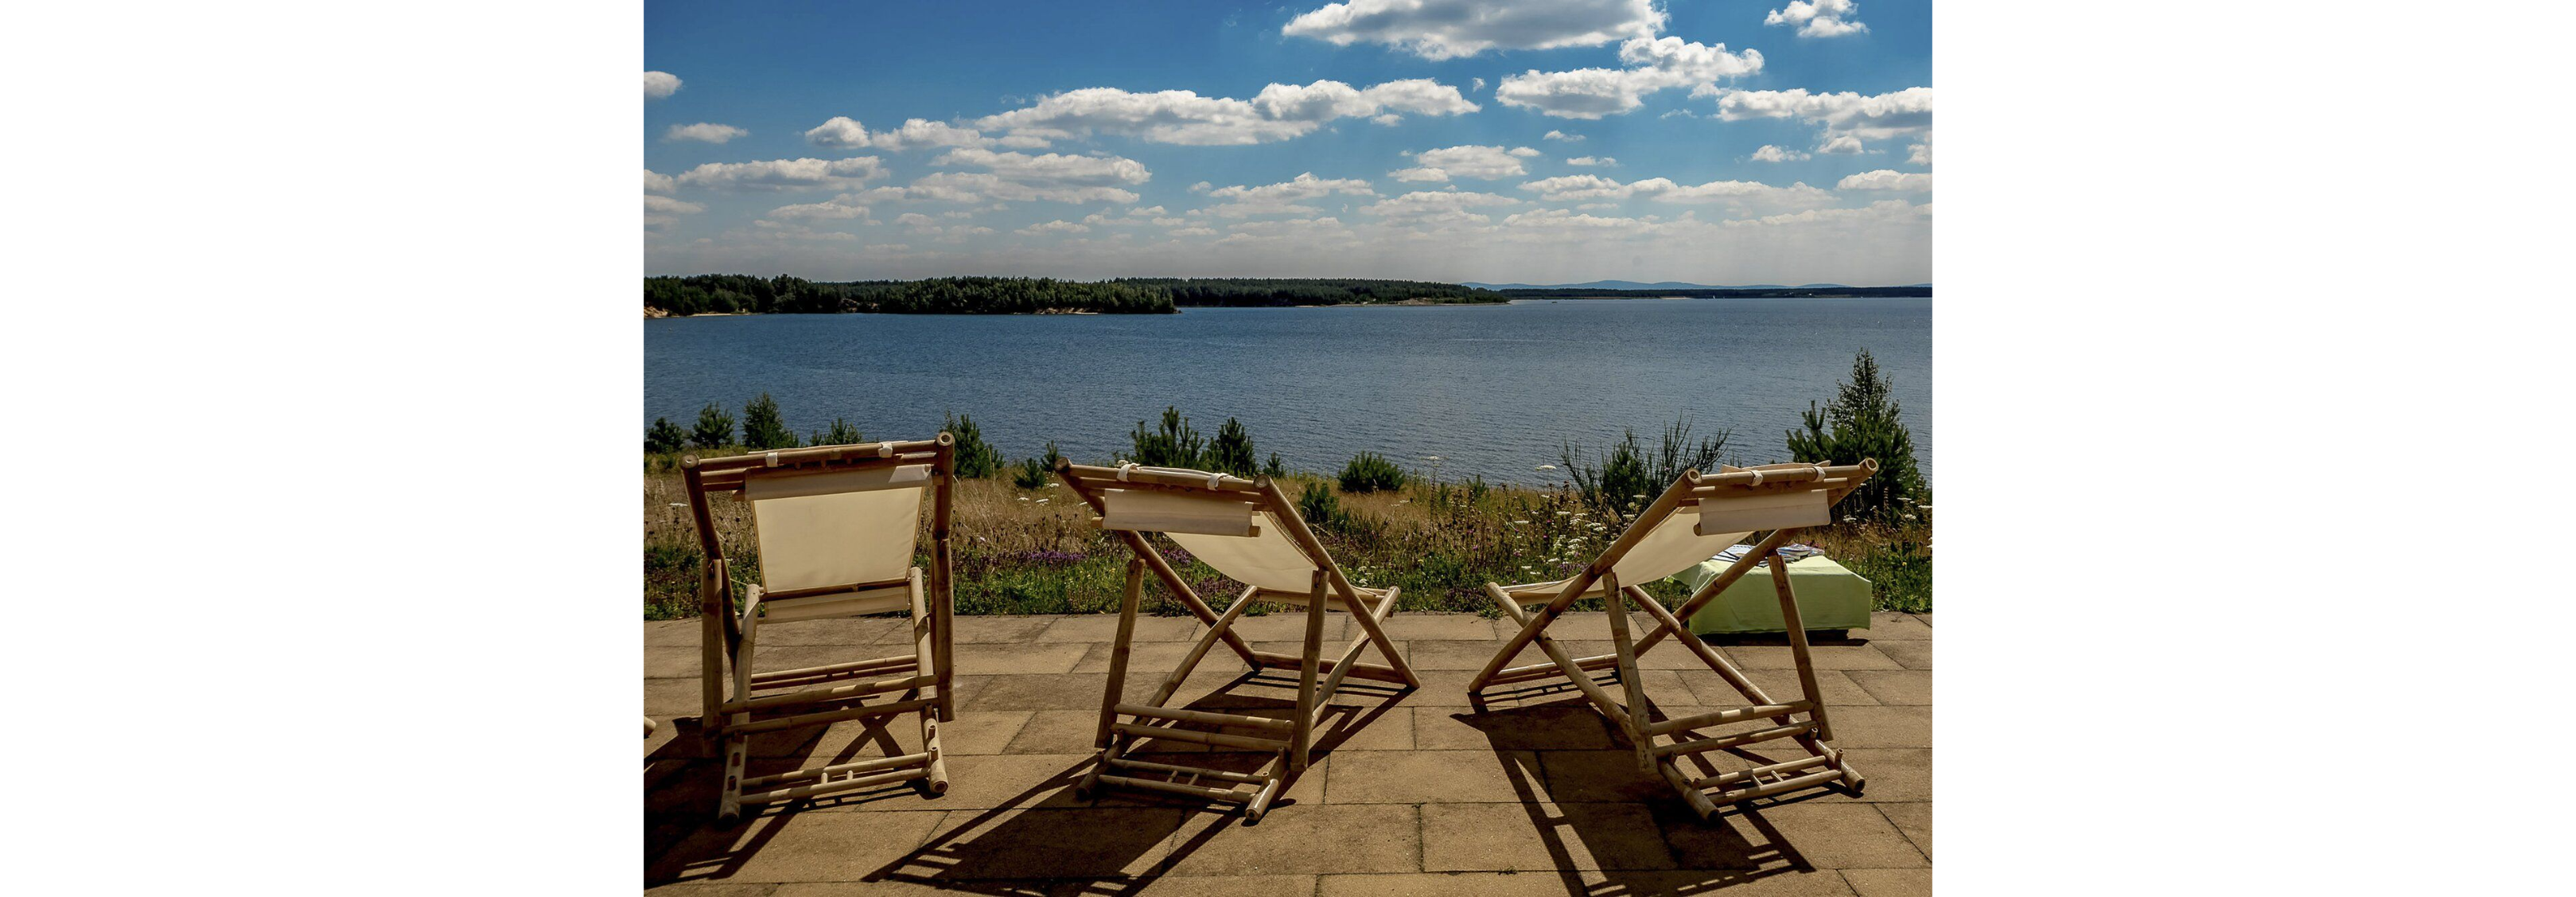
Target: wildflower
x,y
1024,498
1520,523
1848,518
1042,501
1909,517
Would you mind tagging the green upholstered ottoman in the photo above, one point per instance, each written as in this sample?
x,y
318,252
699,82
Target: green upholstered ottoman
x,y
1829,597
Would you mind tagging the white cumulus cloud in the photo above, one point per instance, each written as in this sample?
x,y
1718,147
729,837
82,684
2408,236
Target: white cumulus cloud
x,y
784,174
1920,153
1479,162
1561,135
841,132
668,206
1885,179
1845,145
657,182
1437,207
1446,29
1053,227
1769,153
1279,112
704,132
1593,162
1879,117
1285,197
1820,18
1653,64
660,84
1575,187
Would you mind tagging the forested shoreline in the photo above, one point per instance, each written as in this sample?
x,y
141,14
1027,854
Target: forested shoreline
x,y
745,294
1718,293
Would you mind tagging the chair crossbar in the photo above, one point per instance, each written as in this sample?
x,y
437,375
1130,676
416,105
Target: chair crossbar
x,y
1722,742
1207,718
754,798
1219,739
831,695
831,670
1722,717
825,772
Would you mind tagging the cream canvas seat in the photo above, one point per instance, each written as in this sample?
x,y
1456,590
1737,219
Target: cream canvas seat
x,y
1690,522
836,527
1249,531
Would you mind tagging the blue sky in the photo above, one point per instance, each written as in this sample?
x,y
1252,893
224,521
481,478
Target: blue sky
x,y
1721,142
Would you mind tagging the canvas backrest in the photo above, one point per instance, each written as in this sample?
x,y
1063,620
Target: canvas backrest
x,y
832,528
1231,530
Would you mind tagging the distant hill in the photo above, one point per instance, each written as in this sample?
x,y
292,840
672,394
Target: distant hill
x,y
1660,291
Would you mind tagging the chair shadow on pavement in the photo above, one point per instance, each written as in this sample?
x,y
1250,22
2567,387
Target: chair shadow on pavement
x,y
1595,811
1044,832
1038,840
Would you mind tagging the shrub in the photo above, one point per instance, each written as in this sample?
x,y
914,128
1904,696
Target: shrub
x,y
1274,469
1629,476
664,436
1232,450
841,433
1862,422
1371,472
1320,507
1173,445
1032,473
763,428
715,428
976,459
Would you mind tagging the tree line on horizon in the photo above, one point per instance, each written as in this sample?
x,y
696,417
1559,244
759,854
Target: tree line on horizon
x,y
747,294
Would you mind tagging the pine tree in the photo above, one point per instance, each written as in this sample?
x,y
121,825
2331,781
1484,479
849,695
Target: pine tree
x,y
763,428
714,429
1864,421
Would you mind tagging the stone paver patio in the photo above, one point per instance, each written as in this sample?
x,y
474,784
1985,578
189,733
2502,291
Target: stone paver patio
x,y
1410,792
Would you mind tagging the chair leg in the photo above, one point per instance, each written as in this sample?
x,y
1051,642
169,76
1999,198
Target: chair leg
x,y
1118,650
1304,735
1616,602
737,748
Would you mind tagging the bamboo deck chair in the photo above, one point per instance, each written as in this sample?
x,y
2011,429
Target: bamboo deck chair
x,y
836,527
1692,521
1250,531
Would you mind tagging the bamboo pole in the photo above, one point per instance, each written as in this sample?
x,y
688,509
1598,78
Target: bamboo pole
x,y
856,667
924,650
943,573
1302,737
1204,717
1704,745
711,647
771,797
1342,668
857,455
819,772
1260,804
1217,774
1172,683
1757,773
1709,591
1798,647
1699,803
1191,735
1707,655
1181,590
1720,717
1227,795
1118,650
1614,599
832,716
1784,786
1645,522
1304,536
1079,479
828,695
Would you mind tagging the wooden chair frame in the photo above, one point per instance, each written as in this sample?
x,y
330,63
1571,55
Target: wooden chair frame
x,y
1292,739
1822,766
915,682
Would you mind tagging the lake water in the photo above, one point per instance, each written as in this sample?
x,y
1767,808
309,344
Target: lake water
x,y
1492,390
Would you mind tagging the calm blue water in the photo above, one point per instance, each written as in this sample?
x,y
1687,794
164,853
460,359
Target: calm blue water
x,y
1492,390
